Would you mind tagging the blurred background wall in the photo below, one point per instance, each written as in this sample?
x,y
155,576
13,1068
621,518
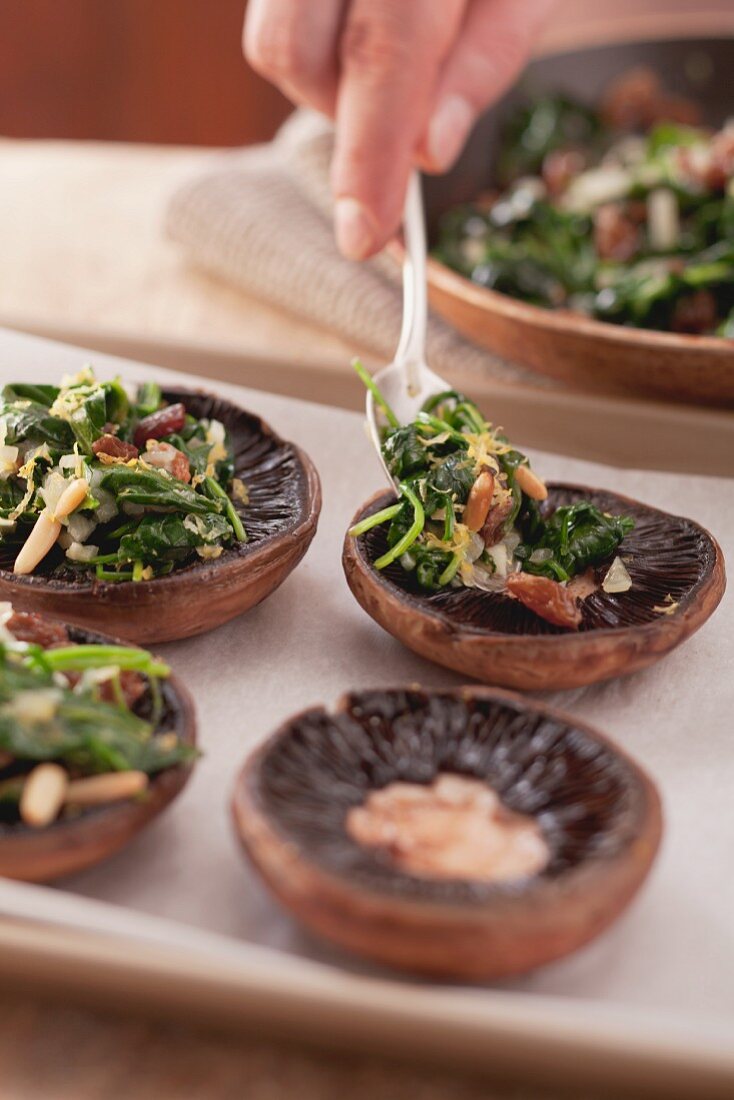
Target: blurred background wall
x,y
172,71
131,70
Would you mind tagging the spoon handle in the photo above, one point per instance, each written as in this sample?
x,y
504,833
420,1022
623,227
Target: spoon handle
x,y
411,348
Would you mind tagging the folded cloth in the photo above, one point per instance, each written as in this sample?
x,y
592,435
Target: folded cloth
x,y
261,219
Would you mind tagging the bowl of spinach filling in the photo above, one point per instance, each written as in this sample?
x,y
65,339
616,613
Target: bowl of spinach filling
x,y
596,242
478,564
154,513
96,738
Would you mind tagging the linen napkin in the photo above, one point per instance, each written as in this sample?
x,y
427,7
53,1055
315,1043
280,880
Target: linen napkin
x,y
261,218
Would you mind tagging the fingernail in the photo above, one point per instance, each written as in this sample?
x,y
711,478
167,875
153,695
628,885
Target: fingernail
x,y
355,231
448,130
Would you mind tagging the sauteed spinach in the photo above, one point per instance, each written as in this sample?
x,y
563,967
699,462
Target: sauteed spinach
x,y
154,485
470,511
91,709
624,212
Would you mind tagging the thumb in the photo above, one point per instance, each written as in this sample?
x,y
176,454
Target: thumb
x,y
494,43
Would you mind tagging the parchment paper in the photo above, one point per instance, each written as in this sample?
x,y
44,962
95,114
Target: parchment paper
x,y
310,642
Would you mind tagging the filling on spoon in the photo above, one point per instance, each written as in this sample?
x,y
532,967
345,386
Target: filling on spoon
x,y
469,513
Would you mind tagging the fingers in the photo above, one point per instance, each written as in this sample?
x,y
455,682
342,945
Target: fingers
x,y
294,43
391,55
492,47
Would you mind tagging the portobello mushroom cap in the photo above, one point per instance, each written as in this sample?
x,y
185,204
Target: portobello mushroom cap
x,y
96,832
280,520
678,579
598,812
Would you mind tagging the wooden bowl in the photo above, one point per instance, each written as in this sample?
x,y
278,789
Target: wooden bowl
x,y
280,520
294,793
70,845
582,351
571,347
493,638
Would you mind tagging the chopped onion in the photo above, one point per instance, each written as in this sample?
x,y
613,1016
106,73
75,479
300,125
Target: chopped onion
x,y
512,540
107,506
500,557
485,579
8,461
72,462
475,549
544,553
80,526
83,553
53,486
215,431
473,250
617,578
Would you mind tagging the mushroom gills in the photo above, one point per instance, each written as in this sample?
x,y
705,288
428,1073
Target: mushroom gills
x,y
466,834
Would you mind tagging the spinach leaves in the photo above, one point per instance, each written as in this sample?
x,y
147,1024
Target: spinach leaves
x,y
439,459
577,536
143,512
79,729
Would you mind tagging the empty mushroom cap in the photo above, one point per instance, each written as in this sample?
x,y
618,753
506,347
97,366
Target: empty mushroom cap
x,y
598,812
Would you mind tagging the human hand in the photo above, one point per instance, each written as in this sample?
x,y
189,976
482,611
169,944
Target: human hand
x,y
404,80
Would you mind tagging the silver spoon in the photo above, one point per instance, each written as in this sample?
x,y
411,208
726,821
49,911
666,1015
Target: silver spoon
x,y
407,382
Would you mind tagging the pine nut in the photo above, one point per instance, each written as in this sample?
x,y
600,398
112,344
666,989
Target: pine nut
x,y
43,795
43,536
94,790
530,483
479,501
71,498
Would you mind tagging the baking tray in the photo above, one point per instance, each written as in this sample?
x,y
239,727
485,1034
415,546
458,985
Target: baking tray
x,y
176,925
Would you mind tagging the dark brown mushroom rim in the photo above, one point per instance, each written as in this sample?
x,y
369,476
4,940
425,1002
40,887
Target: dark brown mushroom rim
x,y
598,812
92,833
280,518
678,579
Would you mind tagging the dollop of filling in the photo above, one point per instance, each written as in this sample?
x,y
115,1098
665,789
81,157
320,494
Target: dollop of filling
x,y
452,828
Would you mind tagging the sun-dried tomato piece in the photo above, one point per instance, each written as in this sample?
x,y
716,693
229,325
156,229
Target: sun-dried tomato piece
x,y
676,108
159,424
628,101
116,448
166,457
695,313
722,151
494,524
636,101
616,236
29,627
560,166
132,685
547,598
